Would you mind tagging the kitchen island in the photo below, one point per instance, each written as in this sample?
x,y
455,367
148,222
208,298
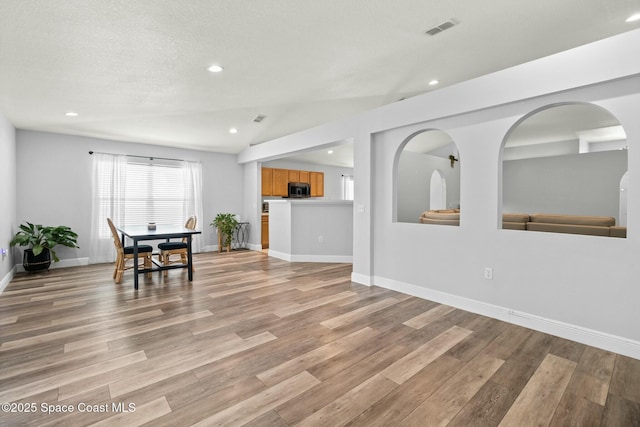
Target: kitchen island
x,y
311,230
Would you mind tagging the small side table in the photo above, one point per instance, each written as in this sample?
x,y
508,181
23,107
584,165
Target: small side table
x,y
239,240
241,236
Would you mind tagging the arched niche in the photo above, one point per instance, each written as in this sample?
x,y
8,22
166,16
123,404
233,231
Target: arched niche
x,y
422,154
562,165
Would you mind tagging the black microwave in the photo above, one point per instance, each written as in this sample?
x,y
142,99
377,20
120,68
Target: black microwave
x,y
299,190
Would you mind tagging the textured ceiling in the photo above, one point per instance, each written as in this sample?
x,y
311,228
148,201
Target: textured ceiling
x,y
136,70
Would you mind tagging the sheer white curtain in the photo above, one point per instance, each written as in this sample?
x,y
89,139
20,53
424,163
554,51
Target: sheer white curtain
x,y
108,184
192,172
347,187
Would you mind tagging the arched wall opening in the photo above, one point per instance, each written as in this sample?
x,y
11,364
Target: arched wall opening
x,y
421,155
562,166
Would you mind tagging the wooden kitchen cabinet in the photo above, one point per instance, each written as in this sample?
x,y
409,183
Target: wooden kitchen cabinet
x,y
267,181
275,181
317,184
265,231
280,181
294,176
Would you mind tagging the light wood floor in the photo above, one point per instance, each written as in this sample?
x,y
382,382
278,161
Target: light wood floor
x,y
262,342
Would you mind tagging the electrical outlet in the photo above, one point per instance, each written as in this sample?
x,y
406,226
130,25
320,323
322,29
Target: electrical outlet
x,y
488,273
320,239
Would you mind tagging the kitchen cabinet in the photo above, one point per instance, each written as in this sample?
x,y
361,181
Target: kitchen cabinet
x,y
317,184
275,181
267,181
294,176
265,231
280,181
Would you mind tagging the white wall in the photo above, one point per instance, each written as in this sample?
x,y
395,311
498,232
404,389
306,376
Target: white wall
x,y
580,287
8,226
253,204
579,184
545,280
54,182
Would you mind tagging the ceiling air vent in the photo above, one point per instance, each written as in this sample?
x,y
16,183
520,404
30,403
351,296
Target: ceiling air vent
x,y
259,118
440,28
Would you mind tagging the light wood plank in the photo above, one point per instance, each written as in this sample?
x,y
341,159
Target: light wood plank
x,y
131,332
312,358
413,362
265,401
299,308
138,381
538,401
140,415
443,405
350,404
58,380
422,320
359,313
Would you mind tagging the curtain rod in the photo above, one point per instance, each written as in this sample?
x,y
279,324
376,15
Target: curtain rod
x,y
140,157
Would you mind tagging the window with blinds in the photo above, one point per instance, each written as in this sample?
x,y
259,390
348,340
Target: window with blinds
x,y
151,193
155,193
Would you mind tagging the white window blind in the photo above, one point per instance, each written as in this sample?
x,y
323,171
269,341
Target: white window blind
x,y
155,193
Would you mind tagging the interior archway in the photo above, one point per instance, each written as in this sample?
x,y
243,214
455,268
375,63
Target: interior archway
x,y
418,158
565,162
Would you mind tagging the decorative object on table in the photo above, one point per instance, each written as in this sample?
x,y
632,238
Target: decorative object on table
x,y
226,224
40,241
151,226
175,248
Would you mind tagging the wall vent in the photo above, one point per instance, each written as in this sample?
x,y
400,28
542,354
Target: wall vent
x,y
440,28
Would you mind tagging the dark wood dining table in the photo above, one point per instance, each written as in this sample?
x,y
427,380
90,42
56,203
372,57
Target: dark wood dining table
x,y
138,233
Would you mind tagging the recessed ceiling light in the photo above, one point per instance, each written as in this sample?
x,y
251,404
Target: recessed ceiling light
x,y
633,18
71,114
433,82
215,68
330,151
233,130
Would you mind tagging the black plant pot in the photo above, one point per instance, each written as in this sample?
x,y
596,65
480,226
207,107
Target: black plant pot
x,y
32,262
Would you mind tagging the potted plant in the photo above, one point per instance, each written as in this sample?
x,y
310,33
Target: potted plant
x,y
40,241
226,223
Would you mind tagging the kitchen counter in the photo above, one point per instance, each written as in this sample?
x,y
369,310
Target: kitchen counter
x,y
311,230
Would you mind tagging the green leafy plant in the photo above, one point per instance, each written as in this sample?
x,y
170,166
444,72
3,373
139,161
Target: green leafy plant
x,y
38,238
226,223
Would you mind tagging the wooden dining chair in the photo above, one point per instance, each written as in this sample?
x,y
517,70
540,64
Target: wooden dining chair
x,y
125,253
176,248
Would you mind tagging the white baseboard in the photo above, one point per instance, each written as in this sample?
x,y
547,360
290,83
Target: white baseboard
x,y
6,279
599,339
311,258
361,279
63,263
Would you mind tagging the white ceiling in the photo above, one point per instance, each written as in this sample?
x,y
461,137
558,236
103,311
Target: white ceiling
x,y
136,70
